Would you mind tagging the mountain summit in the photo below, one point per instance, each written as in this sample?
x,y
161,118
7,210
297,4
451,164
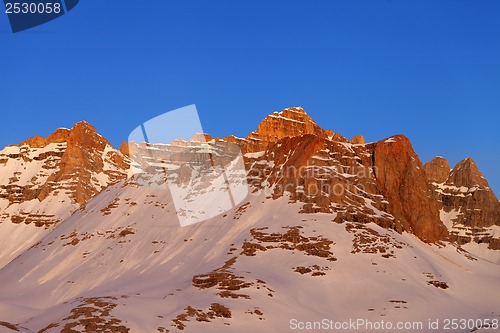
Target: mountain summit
x,y
290,122
287,123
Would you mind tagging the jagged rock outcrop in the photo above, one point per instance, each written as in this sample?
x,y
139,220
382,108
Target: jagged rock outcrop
x,y
358,140
437,170
287,123
469,208
290,122
402,180
466,173
44,179
84,161
124,149
59,136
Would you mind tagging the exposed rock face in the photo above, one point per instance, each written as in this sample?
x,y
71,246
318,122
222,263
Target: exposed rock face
x,y
45,179
59,136
82,162
469,208
201,137
466,173
290,122
358,140
124,149
287,123
437,170
331,175
402,180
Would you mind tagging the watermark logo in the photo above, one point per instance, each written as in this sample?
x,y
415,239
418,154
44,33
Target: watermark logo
x,y
205,177
26,14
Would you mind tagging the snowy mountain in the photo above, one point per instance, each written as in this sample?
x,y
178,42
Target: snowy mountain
x,y
332,229
44,180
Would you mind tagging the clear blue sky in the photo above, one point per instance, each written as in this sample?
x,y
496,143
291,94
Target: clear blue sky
x,y
427,69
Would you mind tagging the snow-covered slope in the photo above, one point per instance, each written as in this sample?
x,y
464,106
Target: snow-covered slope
x,y
124,262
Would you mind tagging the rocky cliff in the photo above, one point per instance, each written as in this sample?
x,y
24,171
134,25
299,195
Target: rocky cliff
x,y
467,204
382,182
71,164
402,180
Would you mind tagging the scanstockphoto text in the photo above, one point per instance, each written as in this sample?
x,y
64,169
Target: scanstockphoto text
x,y
32,8
294,183
363,324
291,179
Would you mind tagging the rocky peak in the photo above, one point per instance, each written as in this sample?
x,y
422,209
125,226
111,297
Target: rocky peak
x,y
288,123
85,135
466,173
81,133
59,136
86,155
437,169
468,206
74,163
358,140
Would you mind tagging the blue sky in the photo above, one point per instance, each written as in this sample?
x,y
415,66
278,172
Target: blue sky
x,y
427,69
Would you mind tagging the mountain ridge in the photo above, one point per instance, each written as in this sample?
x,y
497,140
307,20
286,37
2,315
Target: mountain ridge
x,y
269,137
331,228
